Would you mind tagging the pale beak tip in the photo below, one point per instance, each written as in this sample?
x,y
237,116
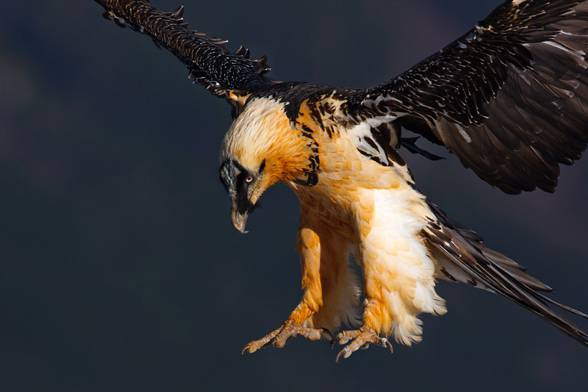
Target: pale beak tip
x,y
240,226
242,230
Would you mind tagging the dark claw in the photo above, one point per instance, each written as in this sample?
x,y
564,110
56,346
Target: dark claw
x,y
342,355
328,336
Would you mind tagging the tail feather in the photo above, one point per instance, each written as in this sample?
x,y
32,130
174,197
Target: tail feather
x,y
464,257
564,307
514,270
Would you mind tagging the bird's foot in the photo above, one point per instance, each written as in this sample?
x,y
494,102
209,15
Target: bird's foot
x,y
361,338
280,336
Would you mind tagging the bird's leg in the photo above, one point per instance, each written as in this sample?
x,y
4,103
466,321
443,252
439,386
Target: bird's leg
x,y
377,319
300,321
370,333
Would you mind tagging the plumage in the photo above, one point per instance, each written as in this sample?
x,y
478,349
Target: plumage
x,y
208,60
509,98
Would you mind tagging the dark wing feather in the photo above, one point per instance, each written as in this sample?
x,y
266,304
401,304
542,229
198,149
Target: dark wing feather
x,y
509,98
209,61
463,257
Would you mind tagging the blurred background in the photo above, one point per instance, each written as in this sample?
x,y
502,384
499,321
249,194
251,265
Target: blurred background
x,y
120,270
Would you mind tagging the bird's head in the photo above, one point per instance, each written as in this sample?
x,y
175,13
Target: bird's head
x,y
260,150
245,187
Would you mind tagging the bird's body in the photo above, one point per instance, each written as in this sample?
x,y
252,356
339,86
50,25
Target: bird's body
x,y
358,210
510,98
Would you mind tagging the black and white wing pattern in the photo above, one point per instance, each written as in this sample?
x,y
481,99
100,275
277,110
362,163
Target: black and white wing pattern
x,y
225,74
509,98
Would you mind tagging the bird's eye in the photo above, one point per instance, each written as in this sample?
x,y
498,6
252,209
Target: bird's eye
x,y
249,179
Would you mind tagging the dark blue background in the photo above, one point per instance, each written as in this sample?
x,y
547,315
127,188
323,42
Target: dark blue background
x,y
120,270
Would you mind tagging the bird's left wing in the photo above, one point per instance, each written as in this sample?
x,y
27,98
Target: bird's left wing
x,y
509,98
229,75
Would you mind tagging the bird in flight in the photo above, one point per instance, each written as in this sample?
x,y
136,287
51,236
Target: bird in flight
x,y
509,98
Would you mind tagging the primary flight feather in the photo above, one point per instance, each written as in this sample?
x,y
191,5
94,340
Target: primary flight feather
x,y
509,98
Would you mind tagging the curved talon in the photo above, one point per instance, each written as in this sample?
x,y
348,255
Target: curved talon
x,y
386,344
256,345
360,339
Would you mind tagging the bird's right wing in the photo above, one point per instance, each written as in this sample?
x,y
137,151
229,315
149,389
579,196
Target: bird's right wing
x,y
229,75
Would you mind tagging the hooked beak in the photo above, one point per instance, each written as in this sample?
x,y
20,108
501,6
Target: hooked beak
x,y
239,219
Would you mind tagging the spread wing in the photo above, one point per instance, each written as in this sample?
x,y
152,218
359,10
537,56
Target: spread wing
x,y
210,63
509,98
